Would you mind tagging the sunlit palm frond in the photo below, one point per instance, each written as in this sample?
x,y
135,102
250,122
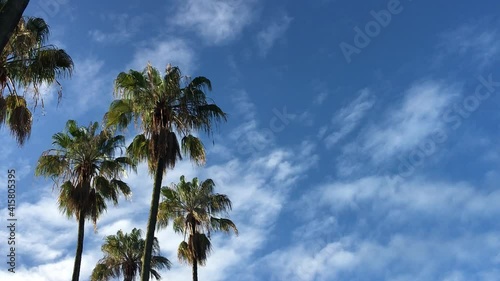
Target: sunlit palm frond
x,y
184,254
193,147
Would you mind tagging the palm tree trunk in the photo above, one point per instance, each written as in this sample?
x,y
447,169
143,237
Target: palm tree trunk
x,y
193,248
9,18
153,213
79,248
195,270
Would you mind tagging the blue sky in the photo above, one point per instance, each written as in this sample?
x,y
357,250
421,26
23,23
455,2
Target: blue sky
x,y
377,163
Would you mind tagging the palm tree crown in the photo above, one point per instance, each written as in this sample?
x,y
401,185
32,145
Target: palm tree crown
x,y
164,106
193,208
27,62
122,257
84,167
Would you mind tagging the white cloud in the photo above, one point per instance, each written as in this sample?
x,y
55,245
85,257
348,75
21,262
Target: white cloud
x,y
267,37
420,196
52,271
478,40
401,128
380,229
176,52
124,27
419,115
243,105
216,21
350,258
89,88
348,118
320,98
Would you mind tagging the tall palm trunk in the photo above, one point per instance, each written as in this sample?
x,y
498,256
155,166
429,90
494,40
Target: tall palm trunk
x,y
195,270
153,214
193,248
79,248
9,18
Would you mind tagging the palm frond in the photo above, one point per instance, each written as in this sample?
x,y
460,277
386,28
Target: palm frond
x,y
224,225
184,254
193,147
119,115
19,118
102,272
51,166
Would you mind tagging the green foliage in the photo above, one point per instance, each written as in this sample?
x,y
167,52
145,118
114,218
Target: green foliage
x,y
28,63
122,257
163,107
193,208
84,167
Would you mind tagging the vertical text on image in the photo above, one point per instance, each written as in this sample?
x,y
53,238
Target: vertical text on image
x,y
11,220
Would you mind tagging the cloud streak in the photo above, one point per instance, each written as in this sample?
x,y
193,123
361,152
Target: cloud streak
x,y
267,37
216,22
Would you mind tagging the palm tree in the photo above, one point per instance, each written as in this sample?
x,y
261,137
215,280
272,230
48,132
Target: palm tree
x,y
165,107
84,168
122,256
26,63
193,207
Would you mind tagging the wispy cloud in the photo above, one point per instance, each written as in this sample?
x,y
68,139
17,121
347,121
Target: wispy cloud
x,y
124,27
400,128
320,98
388,225
267,37
176,51
216,21
348,118
423,258
426,198
89,87
419,115
479,40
